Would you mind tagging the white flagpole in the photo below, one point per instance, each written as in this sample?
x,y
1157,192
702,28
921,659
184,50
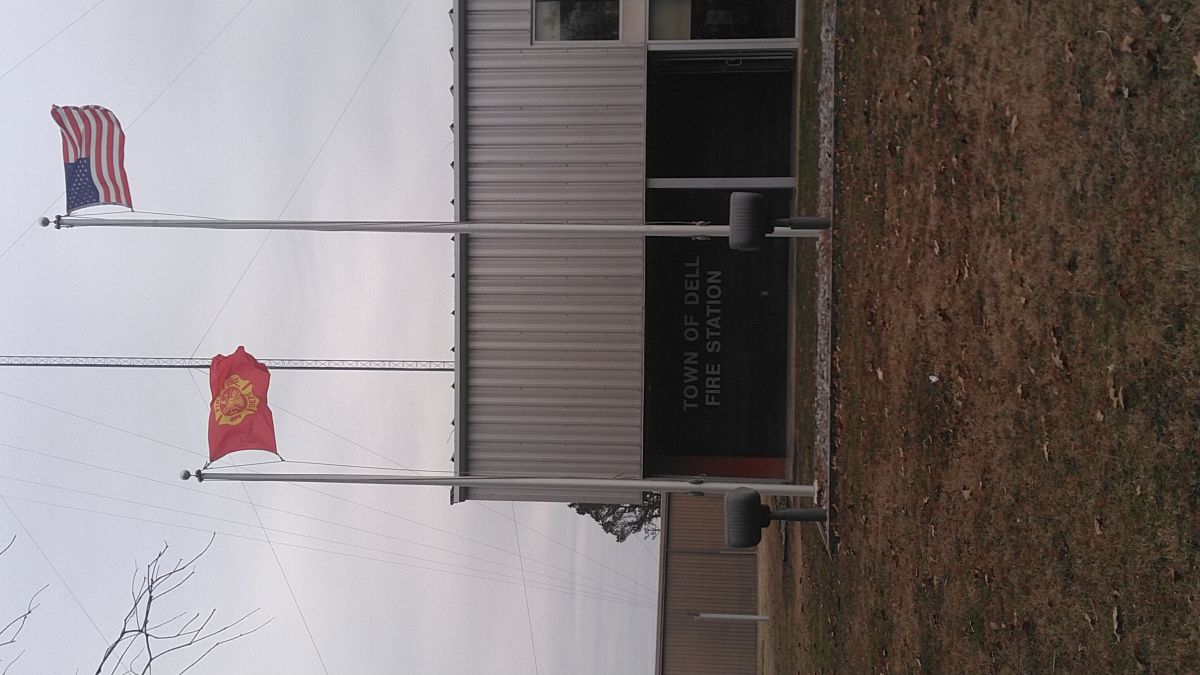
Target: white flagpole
x,y
191,363
693,229
693,485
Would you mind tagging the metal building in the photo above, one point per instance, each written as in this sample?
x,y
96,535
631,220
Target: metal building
x,y
708,593
635,356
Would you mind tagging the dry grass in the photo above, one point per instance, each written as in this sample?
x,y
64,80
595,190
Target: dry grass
x,y
1017,347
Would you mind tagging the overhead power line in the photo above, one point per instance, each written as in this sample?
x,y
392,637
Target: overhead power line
x,y
572,583
395,557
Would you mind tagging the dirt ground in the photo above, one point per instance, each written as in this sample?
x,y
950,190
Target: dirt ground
x,y
1016,348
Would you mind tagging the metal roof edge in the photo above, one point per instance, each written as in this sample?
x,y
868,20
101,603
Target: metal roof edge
x,y
665,504
461,358
459,8
460,109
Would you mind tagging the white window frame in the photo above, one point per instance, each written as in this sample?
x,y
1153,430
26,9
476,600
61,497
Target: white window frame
x,y
533,38
721,183
742,44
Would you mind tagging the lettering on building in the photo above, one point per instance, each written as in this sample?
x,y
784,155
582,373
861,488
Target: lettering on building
x,y
702,335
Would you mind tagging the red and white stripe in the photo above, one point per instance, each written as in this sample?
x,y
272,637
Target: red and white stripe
x,y
93,131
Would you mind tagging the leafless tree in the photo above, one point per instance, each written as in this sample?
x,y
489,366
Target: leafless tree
x,y
187,637
622,520
8,634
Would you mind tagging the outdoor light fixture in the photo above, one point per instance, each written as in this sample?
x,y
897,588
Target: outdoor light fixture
x,y
749,226
746,516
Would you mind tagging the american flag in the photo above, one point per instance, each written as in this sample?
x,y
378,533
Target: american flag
x,y
94,155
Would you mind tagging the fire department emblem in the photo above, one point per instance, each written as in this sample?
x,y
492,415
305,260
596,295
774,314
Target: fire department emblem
x,y
235,402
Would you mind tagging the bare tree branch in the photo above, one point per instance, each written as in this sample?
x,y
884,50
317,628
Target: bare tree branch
x,y
170,621
121,659
18,623
18,656
221,642
12,629
142,643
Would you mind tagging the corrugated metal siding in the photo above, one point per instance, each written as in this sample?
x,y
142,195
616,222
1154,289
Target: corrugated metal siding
x,y
701,575
697,523
498,23
553,343
554,346
554,134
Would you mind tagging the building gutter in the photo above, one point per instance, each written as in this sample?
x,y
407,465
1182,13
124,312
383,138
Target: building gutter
x,y
459,52
661,622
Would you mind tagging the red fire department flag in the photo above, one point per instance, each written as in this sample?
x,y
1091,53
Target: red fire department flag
x,y
239,418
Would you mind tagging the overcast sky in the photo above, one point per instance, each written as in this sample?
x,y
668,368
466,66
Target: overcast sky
x,y
265,109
